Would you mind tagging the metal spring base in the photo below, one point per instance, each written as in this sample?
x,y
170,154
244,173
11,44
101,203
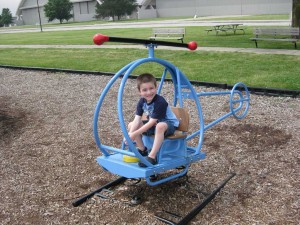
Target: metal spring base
x,y
194,211
108,185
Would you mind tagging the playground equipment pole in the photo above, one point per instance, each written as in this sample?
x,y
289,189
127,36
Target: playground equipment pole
x,y
38,7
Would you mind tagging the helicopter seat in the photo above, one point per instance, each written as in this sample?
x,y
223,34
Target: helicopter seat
x,y
183,116
173,146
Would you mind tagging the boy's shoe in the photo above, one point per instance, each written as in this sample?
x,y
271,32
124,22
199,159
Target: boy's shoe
x,y
181,167
143,153
150,160
153,178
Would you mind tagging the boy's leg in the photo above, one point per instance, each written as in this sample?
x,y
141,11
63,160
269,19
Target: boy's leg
x,y
138,140
162,129
158,138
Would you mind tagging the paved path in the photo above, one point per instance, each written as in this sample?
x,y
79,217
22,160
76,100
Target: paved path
x,y
162,23
209,49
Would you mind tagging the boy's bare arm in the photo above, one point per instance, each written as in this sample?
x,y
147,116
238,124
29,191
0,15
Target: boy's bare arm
x,y
152,122
136,123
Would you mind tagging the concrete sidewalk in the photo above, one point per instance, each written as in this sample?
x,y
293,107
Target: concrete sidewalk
x,y
199,22
209,49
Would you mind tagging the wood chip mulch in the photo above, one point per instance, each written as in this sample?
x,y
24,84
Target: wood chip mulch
x,y
48,157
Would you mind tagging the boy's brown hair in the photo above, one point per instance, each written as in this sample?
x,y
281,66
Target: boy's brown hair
x,y
145,78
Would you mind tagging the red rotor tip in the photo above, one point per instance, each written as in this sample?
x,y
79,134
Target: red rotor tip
x,y
192,45
99,39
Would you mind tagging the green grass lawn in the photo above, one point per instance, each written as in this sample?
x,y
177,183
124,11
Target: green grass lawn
x,y
257,70
84,37
272,71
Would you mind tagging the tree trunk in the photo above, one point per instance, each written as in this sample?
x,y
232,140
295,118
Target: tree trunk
x,y
296,13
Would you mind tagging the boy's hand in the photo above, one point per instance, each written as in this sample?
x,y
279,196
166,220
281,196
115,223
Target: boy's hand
x,y
125,141
132,136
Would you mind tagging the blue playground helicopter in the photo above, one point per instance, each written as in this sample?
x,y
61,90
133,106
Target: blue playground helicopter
x,y
175,151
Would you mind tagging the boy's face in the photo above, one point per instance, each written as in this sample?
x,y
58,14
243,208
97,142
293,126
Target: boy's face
x,y
148,91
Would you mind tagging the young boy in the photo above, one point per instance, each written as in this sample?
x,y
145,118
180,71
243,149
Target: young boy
x,y
161,121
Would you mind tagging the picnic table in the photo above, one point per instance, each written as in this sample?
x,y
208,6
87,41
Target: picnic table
x,y
226,27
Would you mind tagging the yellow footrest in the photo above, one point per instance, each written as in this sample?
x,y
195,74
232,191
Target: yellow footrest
x,y
130,159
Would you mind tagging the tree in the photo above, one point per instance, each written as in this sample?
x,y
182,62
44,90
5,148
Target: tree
x,y
6,17
296,13
112,8
1,24
58,9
